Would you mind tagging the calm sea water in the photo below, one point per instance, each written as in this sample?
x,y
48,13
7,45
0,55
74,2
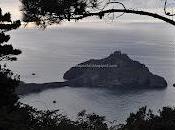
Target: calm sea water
x,y
51,52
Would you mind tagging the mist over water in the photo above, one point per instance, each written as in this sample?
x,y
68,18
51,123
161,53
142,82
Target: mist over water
x,y
52,52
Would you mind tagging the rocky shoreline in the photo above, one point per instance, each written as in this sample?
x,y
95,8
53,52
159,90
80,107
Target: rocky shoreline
x,y
117,71
28,88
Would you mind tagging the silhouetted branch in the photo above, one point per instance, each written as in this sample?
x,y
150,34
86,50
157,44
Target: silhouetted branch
x,y
154,15
44,14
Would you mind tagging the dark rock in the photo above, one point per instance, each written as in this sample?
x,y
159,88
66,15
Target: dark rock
x,y
33,74
28,88
117,70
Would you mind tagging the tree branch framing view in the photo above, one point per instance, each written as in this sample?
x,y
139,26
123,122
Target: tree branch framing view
x,y
114,82
45,13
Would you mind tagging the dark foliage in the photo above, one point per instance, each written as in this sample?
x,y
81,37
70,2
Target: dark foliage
x,y
145,120
17,116
8,84
28,118
8,81
7,52
44,12
6,23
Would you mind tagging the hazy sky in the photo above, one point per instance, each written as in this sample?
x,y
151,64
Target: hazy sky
x,y
14,6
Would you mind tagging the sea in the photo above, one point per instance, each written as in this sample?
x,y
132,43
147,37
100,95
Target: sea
x,y
49,53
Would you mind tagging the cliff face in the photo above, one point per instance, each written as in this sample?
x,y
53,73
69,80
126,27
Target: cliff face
x,y
117,70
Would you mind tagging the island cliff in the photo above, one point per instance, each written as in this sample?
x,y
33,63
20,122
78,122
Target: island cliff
x,y
116,70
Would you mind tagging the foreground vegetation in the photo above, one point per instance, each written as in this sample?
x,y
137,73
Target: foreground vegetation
x,y
25,117
17,116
